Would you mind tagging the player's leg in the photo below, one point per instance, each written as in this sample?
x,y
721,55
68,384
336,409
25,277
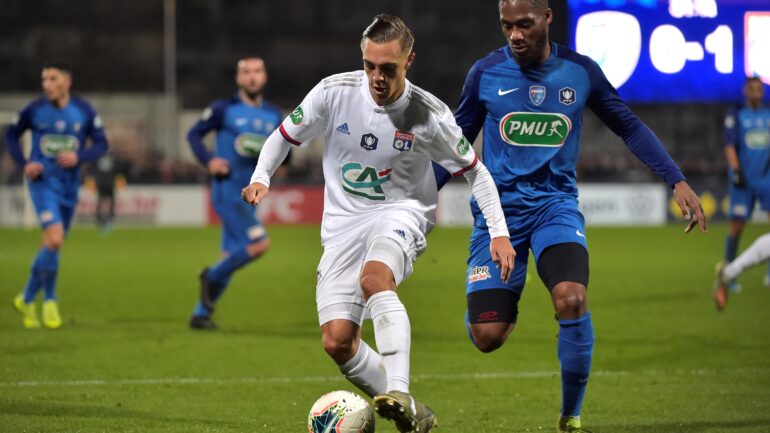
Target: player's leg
x,y
741,207
243,239
46,263
392,247
758,252
341,310
560,249
492,305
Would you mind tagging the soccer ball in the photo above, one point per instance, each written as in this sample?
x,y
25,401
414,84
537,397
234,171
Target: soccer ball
x,y
340,412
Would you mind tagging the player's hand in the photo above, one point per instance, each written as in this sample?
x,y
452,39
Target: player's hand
x,y
503,254
254,193
689,203
33,170
219,168
738,179
67,159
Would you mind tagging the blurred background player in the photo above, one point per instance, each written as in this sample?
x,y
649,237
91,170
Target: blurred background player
x,y
242,123
60,124
747,149
726,274
533,160
104,180
381,133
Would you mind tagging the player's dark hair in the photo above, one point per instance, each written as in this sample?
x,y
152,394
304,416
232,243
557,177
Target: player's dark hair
x,y
753,78
386,28
62,66
537,4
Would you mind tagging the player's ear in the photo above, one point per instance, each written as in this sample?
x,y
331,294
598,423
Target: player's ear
x,y
410,59
548,16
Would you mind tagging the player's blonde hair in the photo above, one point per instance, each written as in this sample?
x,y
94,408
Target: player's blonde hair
x,y
386,28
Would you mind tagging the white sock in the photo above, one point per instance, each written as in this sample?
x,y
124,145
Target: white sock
x,y
393,335
366,371
755,254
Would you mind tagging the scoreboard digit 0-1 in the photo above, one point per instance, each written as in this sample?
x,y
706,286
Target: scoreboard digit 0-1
x,y
675,50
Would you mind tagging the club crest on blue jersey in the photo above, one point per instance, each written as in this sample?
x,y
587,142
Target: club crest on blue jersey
x,y
402,141
537,94
369,141
567,96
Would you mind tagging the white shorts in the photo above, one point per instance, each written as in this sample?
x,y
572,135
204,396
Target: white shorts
x,y
394,240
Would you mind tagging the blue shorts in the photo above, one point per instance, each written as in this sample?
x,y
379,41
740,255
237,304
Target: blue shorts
x,y
50,206
742,200
240,225
546,226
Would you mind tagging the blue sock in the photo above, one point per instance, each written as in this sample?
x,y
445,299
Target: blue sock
x,y
200,310
221,272
34,284
49,270
731,247
576,346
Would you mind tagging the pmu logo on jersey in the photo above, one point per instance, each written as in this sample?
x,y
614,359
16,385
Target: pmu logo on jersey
x,y
297,116
478,273
757,139
537,94
249,145
369,141
535,129
567,96
402,141
52,144
364,181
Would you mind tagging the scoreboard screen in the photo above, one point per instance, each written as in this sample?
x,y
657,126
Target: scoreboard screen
x,y
675,50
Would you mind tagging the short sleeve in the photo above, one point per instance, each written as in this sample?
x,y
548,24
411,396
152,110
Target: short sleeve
x,y
308,120
450,149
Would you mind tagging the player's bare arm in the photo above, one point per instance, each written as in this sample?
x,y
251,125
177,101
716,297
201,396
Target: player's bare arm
x,y
218,167
690,205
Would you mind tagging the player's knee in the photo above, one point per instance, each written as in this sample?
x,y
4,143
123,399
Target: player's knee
x,y
569,300
338,347
54,239
258,249
373,283
490,336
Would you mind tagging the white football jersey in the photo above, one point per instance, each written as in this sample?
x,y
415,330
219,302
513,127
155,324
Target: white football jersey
x,y
377,158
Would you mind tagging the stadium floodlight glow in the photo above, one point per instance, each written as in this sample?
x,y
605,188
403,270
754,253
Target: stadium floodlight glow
x,y
613,40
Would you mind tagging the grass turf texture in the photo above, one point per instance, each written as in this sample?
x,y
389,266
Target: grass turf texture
x,y
125,361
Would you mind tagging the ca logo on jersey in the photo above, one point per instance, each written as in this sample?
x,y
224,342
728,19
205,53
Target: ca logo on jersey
x,y
249,145
364,181
297,116
535,129
52,144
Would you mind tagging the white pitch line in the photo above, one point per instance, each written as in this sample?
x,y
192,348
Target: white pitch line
x,y
416,377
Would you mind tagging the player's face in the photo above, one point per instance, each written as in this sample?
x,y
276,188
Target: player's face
x,y
56,84
386,65
754,91
525,28
251,76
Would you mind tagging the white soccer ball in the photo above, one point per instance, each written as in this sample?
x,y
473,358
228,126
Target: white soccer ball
x,y
340,412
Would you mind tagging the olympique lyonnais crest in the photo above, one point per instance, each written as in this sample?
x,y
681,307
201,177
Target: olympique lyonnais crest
x,y
537,94
369,141
402,141
567,96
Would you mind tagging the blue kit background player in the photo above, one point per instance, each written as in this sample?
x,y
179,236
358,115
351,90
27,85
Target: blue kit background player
x,y
528,96
60,124
747,149
243,123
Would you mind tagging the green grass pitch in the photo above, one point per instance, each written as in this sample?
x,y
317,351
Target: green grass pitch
x,y
125,361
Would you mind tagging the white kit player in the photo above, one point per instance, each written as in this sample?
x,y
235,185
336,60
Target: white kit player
x,y
381,134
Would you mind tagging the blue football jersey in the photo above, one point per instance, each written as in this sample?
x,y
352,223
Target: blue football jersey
x,y
748,130
532,120
241,133
55,130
